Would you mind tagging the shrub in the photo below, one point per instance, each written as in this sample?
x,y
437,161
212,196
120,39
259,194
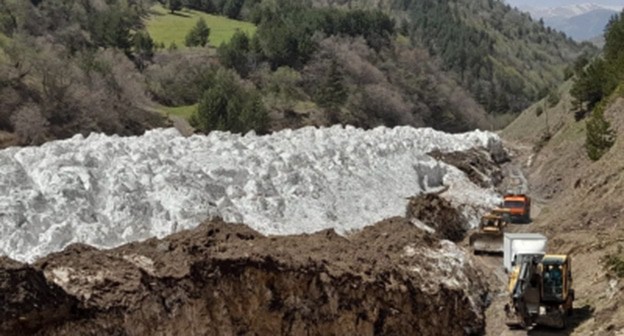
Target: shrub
x,y
539,110
615,264
553,98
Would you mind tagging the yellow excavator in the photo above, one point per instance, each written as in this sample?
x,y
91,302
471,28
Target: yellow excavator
x,y
540,289
489,238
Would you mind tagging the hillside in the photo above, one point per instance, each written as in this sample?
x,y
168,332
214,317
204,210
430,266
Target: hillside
x,y
581,204
504,58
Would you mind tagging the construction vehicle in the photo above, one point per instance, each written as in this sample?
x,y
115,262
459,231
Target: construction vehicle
x,y
519,206
489,238
540,284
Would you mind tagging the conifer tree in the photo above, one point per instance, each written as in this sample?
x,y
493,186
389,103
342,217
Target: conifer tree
x,y
332,93
198,36
600,137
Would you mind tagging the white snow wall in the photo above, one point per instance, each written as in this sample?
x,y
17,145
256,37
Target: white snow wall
x,y
109,190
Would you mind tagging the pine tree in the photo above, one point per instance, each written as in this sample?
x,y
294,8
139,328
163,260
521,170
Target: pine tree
x,y
198,36
332,93
143,48
235,53
599,135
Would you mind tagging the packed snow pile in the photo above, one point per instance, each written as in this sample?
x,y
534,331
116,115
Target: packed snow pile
x,y
108,190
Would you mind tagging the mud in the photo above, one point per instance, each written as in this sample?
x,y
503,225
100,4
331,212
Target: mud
x,y
28,302
481,167
224,279
438,214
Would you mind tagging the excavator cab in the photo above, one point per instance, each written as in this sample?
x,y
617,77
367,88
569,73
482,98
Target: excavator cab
x,y
556,278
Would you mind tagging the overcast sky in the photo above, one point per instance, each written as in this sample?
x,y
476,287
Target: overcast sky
x,y
557,3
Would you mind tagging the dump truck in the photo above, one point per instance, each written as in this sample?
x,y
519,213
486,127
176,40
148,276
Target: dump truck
x,y
519,206
489,238
540,284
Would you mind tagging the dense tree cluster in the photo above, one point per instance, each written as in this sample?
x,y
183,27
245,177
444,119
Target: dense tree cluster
x,y
500,55
350,65
70,67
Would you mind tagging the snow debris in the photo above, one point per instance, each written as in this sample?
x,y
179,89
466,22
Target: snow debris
x,y
109,190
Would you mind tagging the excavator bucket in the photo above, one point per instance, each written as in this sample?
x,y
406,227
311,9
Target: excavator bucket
x,y
482,242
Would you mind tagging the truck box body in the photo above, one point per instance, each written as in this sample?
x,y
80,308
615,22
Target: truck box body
x,y
522,243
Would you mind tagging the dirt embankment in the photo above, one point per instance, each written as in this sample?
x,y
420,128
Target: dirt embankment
x,y
391,278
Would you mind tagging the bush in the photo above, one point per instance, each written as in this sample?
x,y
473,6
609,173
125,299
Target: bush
x,y
543,140
615,264
553,98
227,105
539,110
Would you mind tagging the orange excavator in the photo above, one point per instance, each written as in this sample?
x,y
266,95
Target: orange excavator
x,y
519,206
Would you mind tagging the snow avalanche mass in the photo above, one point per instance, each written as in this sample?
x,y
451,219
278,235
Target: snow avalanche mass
x,y
109,190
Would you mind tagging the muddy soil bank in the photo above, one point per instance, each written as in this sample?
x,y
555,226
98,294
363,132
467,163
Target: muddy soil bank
x,y
391,278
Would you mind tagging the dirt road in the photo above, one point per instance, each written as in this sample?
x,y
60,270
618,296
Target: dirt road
x,y
492,266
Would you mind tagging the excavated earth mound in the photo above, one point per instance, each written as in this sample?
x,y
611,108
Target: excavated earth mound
x,y
391,278
481,166
438,215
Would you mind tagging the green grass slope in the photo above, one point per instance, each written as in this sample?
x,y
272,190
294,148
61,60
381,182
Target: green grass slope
x,y
181,111
168,28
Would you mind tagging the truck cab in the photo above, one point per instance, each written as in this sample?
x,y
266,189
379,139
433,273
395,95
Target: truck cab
x,y
519,207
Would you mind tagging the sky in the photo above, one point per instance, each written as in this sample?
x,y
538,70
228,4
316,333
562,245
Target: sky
x,y
558,3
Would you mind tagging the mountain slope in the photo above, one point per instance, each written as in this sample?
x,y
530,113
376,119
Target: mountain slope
x,y
499,54
582,212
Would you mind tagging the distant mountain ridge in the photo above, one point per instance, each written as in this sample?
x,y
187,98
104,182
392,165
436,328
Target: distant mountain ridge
x,y
566,11
582,22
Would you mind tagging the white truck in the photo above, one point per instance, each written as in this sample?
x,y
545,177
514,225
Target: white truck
x,y
522,243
